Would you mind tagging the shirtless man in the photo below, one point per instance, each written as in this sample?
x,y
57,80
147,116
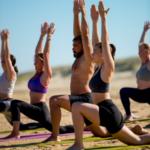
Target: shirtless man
x,y
82,71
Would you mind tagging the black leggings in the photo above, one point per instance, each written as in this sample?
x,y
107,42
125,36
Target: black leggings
x,y
141,96
38,112
5,108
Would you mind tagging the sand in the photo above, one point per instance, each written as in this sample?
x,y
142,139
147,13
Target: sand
x,y
61,85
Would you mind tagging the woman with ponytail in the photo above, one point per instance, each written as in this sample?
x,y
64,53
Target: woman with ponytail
x,y
7,82
99,57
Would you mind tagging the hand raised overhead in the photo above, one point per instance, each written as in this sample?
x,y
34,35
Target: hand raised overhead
x,y
76,8
102,11
94,13
51,30
146,25
4,34
44,28
82,6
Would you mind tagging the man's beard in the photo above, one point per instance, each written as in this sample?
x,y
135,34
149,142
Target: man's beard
x,y
77,55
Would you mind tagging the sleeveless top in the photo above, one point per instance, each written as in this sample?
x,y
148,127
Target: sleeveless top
x,y
35,85
143,74
97,85
6,87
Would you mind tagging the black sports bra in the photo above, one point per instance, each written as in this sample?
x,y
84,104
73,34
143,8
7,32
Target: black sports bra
x,y
97,85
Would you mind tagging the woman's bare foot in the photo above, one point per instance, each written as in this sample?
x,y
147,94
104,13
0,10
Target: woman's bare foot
x,y
139,130
52,139
128,118
76,147
12,136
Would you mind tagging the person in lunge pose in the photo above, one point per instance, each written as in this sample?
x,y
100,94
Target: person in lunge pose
x,y
105,112
101,131
38,85
82,70
7,81
141,93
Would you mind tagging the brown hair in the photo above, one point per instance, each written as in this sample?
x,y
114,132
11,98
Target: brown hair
x,y
112,48
40,56
13,60
146,46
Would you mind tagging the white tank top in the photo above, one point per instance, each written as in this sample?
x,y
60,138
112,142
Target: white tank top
x,y
6,87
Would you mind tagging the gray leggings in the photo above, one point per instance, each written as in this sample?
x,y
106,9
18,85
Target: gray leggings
x,y
5,108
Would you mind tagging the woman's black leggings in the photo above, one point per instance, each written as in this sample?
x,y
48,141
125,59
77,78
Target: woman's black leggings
x,y
38,112
141,96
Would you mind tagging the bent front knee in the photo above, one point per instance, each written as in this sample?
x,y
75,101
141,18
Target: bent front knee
x,y
53,100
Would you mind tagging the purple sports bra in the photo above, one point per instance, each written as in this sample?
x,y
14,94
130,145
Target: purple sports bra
x,y
35,85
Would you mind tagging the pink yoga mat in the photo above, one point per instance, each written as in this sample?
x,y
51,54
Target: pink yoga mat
x,y
35,136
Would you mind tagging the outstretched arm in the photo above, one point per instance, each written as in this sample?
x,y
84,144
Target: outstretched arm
x,y
10,69
76,24
3,46
95,17
87,47
47,69
39,46
146,27
108,60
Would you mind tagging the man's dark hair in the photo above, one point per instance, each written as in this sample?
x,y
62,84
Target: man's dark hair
x,y
78,38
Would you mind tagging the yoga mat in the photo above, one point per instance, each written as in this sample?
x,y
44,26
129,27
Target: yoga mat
x,y
32,130
121,147
35,136
42,129
140,120
88,139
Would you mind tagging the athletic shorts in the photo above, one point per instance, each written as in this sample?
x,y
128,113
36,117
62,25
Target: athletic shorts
x,y
85,98
110,116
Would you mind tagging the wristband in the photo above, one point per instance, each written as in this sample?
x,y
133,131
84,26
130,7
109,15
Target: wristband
x,y
49,39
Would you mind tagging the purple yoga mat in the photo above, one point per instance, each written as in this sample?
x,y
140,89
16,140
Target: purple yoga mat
x,y
35,136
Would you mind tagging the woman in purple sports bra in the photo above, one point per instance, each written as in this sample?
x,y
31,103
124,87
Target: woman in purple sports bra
x,y
38,85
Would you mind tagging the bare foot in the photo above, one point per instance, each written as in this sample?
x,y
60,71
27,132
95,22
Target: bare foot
x,y
76,147
12,136
139,130
128,118
52,139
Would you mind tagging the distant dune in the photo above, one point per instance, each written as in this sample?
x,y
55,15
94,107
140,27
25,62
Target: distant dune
x,y
128,64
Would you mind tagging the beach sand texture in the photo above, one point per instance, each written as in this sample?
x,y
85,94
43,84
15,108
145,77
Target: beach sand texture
x,y
60,85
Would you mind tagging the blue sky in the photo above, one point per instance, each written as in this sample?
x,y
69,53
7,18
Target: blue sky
x,y
24,18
